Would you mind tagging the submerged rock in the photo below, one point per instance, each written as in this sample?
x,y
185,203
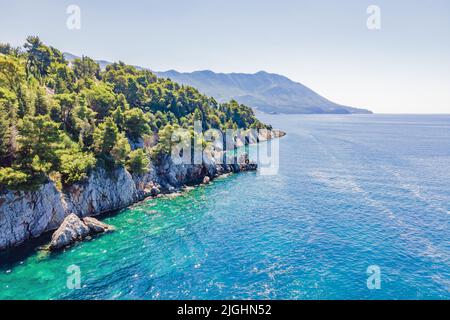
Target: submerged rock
x,y
74,229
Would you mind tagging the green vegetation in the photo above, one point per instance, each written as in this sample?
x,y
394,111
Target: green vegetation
x,y
59,120
138,162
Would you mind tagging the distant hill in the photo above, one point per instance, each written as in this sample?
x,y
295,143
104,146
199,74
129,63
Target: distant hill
x,y
267,92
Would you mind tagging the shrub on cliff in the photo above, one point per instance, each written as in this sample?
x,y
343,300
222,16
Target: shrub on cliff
x,y
75,166
11,178
164,145
121,150
138,162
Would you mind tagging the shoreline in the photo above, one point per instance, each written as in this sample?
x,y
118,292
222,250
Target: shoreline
x,y
85,200
26,215
16,254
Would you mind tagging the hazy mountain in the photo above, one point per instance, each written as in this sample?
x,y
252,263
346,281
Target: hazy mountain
x,y
267,92
264,91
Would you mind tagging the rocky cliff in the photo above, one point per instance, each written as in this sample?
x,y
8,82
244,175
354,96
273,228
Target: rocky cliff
x,y
28,214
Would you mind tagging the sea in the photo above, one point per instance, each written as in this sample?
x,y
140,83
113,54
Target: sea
x,y
358,207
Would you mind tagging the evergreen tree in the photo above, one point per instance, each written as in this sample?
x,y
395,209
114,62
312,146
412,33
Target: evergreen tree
x,y
105,137
38,142
136,123
39,57
101,99
12,78
138,162
121,150
41,104
5,139
86,68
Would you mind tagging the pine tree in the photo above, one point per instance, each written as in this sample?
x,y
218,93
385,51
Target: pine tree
x,y
105,137
138,162
38,141
5,140
41,104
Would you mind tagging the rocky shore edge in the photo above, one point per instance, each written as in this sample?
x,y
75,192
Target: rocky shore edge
x,y
25,215
74,229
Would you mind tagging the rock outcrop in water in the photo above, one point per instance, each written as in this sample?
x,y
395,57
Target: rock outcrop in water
x,y
96,226
71,230
29,214
74,229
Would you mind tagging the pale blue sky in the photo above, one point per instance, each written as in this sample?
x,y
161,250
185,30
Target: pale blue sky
x,y
402,68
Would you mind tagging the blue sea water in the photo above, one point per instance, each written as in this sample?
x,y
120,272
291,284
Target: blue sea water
x,y
351,192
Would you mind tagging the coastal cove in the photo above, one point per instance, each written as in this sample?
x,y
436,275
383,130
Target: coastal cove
x,y
351,192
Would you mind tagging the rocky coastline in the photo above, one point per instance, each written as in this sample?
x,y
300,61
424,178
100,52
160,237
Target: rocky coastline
x,y
25,215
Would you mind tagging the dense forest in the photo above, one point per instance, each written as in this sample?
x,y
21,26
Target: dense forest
x,y
59,120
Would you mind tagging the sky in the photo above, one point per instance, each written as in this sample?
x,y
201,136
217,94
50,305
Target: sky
x,y
404,67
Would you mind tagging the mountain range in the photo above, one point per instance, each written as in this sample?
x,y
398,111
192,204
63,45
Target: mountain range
x,y
266,92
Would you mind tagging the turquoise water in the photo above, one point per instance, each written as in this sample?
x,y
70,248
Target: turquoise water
x,y
352,191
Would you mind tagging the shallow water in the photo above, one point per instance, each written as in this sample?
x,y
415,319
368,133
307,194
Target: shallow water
x,y
351,192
